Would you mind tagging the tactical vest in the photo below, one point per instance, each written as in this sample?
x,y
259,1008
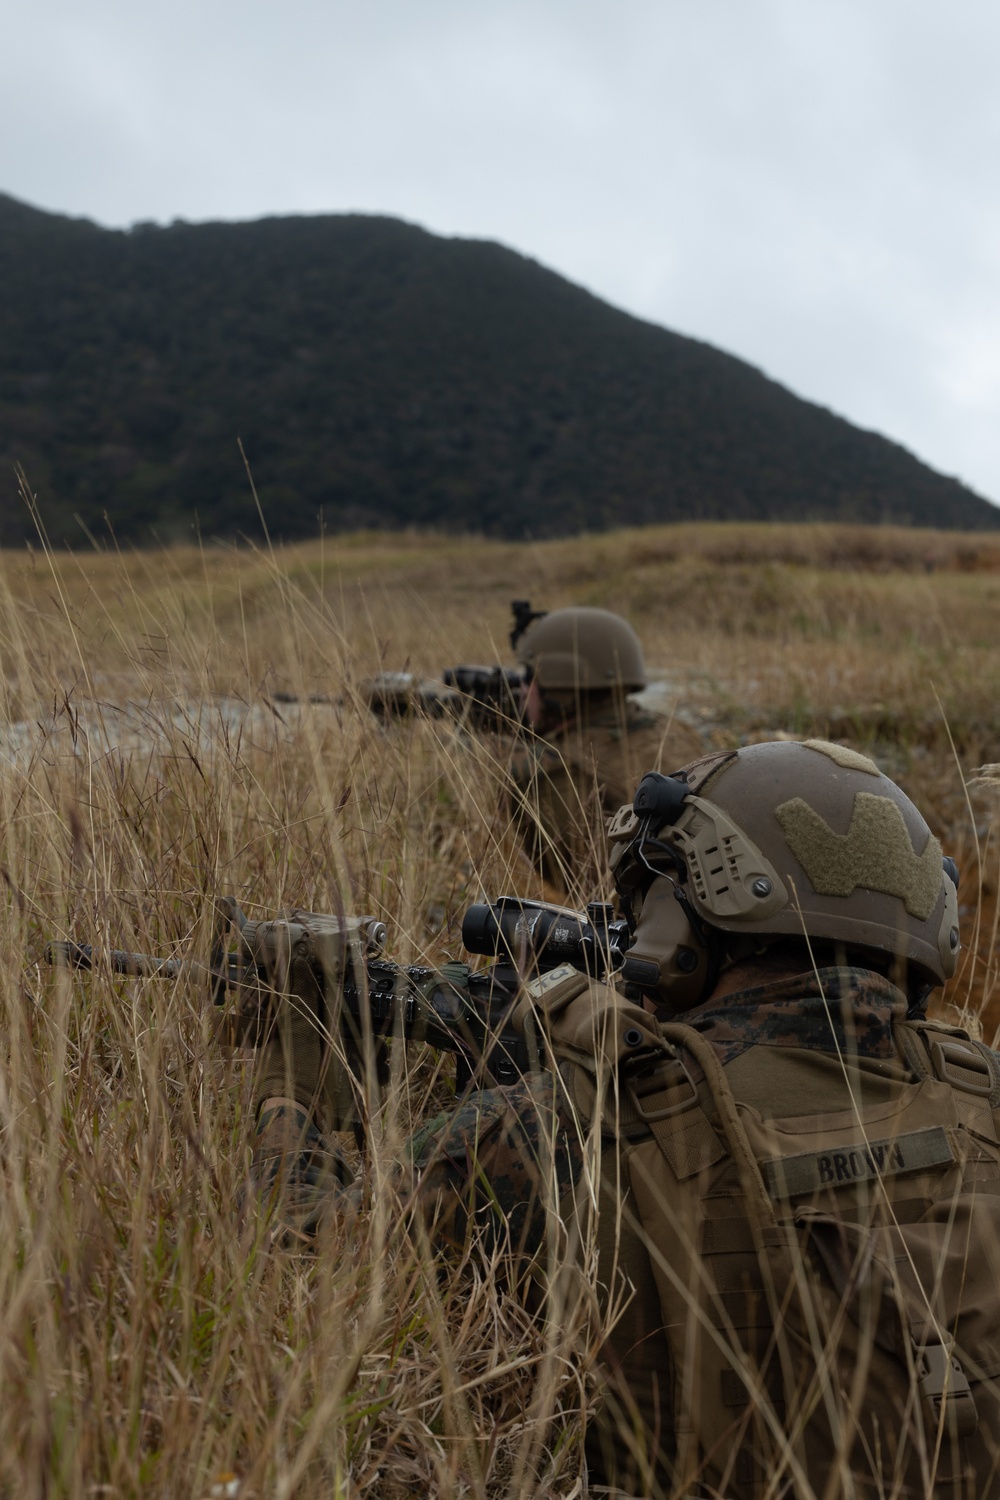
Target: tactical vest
x,y
817,1295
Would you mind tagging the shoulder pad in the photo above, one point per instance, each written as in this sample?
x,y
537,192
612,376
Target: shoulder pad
x,y
551,991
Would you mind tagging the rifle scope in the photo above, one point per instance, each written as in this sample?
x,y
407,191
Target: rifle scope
x,y
486,684
531,934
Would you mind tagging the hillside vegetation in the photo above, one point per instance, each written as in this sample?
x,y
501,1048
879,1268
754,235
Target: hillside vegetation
x,y
380,376
154,1338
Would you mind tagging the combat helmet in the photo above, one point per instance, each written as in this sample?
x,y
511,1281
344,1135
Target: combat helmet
x,y
582,650
780,840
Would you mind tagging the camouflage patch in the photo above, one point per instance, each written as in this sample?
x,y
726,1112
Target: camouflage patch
x,y
851,760
533,759
465,1129
422,1141
838,1011
297,1172
875,853
497,1161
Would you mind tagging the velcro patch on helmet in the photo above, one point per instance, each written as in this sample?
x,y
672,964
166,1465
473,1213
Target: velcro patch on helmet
x,y
875,853
851,760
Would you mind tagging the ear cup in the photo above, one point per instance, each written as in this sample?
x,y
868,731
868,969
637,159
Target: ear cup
x,y
669,958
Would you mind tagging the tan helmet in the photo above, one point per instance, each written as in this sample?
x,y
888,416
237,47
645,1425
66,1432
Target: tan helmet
x,y
583,650
779,839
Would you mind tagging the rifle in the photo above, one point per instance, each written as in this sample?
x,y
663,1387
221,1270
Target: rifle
x,y
485,698
455,1008
482,697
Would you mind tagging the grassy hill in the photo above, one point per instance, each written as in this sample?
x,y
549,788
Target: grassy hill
x,y
384,377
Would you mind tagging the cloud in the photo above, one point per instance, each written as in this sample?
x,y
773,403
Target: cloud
x,y
807,186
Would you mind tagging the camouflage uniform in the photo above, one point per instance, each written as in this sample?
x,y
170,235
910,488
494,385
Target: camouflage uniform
x,y
592,741
486,1163
816,1042
568,780
845,1012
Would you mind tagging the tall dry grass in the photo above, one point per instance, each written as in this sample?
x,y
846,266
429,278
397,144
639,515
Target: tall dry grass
x,y
151,1337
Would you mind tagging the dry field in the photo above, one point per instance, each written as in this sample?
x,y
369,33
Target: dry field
x,y
151,1338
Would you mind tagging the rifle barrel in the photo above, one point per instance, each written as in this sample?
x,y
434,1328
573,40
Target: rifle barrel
x,y
143,965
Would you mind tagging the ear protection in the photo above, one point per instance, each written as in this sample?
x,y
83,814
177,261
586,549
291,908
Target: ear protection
x,y
673,957
670,958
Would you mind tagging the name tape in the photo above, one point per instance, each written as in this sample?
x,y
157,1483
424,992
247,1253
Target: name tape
x,y
839,1166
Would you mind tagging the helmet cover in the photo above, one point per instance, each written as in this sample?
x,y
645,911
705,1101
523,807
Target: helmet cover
x,y
809,839
583,650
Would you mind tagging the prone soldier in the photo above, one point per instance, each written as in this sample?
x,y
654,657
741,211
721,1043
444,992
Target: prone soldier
x,y
799,1172
578,738
586,741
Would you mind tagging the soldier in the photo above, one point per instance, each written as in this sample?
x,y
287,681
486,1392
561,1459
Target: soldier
x,y
587,742
800,1173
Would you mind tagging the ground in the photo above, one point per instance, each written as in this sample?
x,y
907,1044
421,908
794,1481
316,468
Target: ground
x,y
152,1336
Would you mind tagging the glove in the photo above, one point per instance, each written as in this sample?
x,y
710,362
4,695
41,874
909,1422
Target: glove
x,y
301,1055
295,1056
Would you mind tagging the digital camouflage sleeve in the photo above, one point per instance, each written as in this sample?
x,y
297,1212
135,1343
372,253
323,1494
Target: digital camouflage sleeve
x,y
498,1161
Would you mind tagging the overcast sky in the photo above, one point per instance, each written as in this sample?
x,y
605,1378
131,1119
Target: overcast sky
x,y
810,184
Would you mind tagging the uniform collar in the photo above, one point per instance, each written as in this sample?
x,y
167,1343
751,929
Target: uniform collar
x,y
837,1010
